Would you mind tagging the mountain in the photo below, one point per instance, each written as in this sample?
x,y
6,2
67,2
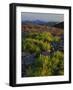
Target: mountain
x,y
39,22
60,25
52,23
34,22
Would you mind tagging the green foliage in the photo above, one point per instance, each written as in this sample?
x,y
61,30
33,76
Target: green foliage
x,y
44,65
58,63
48,66
45,36
35,45
56,39
39,68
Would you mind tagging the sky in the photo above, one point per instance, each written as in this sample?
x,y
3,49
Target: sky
x,y
48,17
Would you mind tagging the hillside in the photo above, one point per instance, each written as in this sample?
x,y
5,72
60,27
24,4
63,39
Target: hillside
x,y
60,25
42,28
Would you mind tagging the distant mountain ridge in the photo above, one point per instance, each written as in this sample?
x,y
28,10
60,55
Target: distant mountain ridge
x,y
39,22
34,22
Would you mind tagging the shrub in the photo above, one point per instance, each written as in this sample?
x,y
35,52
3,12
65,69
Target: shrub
x,y
48,66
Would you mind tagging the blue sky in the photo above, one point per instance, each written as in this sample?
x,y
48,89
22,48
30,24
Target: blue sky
x,y
42,16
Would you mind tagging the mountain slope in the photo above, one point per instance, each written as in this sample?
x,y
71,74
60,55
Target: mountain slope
x,y
60,25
